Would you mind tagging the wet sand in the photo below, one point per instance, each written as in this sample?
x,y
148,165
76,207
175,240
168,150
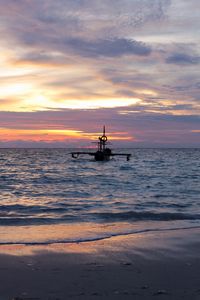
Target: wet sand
x,y
162,265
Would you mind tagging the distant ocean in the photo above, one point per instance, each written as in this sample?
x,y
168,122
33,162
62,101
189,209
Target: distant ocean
x,y
45,191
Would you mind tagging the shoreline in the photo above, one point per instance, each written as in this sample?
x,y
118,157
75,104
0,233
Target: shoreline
x,y
83,232
154,265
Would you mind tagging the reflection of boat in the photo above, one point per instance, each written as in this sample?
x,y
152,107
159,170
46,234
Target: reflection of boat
x,y
103,153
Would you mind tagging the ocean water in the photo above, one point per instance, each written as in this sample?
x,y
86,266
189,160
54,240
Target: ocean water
x,y
46,196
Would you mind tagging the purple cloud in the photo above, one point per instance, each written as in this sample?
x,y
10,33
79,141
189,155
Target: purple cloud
x,y
108,48
183,59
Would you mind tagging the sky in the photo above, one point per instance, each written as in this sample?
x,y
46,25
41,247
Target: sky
x,y
68,67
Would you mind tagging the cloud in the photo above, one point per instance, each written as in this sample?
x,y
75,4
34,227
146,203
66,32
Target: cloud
x,y
42,22
108,48
147,128
183,59
84,119
48,59
64,52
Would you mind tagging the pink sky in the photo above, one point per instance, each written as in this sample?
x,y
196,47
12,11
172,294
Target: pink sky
x,y
69,67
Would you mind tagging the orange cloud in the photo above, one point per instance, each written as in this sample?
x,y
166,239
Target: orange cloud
x,y
39,135
59,135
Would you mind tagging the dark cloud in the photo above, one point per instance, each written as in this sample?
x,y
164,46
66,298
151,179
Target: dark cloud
x,y
83,119
183,59
45,23
108,48
178,107
125,93
43,58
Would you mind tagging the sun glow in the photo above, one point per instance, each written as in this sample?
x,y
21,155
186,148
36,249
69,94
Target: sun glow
x,y
47,101
91,103
39,134
49,135
15,89
101,103
118,136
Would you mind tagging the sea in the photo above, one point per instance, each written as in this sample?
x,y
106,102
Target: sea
x,y
48,197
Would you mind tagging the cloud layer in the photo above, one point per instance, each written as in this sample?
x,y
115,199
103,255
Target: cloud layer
x,y
69,66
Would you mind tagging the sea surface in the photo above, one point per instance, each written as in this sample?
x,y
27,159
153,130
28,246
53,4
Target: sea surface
x,y
47,197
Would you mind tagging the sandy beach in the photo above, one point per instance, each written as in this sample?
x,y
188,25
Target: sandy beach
x,y
163,265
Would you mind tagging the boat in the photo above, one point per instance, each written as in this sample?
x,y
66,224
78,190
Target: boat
x,y
103,153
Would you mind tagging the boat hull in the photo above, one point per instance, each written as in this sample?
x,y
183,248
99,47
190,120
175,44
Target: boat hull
x,y
101,156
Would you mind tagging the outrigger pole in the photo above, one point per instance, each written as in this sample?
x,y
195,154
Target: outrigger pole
x,y
103,153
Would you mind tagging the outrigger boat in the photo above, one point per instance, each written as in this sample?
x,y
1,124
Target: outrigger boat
x,y
103,153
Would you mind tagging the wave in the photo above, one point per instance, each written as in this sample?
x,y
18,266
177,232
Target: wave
x,y
95,238
130,216
150,216
23,221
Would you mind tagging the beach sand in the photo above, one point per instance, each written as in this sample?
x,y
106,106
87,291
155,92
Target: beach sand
x,y
161,265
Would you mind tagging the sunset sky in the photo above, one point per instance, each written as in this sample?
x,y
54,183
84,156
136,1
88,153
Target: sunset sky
x,y
68,67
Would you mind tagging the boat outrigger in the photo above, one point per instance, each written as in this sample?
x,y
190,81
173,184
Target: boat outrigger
x,y
103,153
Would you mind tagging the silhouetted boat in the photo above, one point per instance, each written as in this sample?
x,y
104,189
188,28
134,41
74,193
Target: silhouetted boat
x,y
103,153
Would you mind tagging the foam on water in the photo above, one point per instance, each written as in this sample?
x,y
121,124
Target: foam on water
x,y
82,233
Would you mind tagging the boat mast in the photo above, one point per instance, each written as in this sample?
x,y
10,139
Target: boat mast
x,y
102,140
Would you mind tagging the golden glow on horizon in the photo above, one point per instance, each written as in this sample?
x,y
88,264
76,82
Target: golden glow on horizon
x,y
39,134
49,135
121,138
